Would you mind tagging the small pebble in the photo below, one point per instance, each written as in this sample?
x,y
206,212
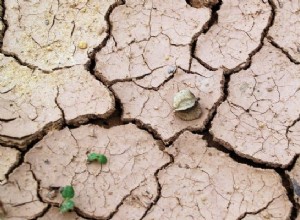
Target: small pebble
x,y
171,69
46,22
49,48
82,45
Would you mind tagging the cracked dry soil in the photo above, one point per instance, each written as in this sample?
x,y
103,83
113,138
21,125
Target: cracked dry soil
x,y
82,76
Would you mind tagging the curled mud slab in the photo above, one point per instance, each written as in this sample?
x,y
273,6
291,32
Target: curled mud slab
x,y
237,34
285,31
147,36
55,34
19,195
32,102
54,214
124,188
154,108
9,157
204,183
258,119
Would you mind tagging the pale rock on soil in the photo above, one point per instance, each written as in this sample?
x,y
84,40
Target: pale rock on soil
x,y
257,119
123,188
204,183
55,34
32,102
237,34
285,31
154,108
19,195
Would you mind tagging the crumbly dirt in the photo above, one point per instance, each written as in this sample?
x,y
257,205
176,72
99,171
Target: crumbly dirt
x,y
33,102
154,108
51,34
237,34
9,158
210,185
100,76
19,195
258,118
285,31
126,185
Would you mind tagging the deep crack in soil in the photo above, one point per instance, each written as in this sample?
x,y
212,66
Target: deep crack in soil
x,y
116,119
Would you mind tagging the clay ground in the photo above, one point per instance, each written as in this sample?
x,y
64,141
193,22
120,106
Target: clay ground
x,y
83,76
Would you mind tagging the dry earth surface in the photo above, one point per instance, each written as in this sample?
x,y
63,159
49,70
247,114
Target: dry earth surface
x,y
85,76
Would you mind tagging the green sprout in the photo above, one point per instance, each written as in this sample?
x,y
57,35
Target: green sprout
x,y
68,204
102,159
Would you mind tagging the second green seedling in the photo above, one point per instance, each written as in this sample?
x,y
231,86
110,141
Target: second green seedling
x,y
101,158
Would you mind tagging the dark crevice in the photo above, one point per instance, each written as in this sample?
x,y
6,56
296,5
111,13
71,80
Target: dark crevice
x,y
38,193
211,143
255,212
43,213
288,185
2,14
246,65
213,20
283,50
23,152
113,120
214,16
224,98
90,66
13,166
159,187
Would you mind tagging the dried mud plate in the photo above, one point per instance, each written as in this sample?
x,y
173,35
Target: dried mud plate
x,y
31,102
121,189
204,183
259,119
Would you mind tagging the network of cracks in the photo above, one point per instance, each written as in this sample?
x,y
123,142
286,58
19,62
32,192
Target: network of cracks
x,y
82,76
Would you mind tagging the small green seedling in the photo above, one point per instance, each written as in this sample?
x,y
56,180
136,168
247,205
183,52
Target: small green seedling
x,y
68,204
102,159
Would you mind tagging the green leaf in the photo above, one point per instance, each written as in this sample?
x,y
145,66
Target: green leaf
x,y
92,157
67,192
102,159
67,206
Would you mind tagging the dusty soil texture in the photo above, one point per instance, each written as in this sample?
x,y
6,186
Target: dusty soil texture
x,y
258,118
53,213
100,76
149,37
33,102
125,186
237,34
154,108
210,185
9,158
286,35
19,195
54,34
